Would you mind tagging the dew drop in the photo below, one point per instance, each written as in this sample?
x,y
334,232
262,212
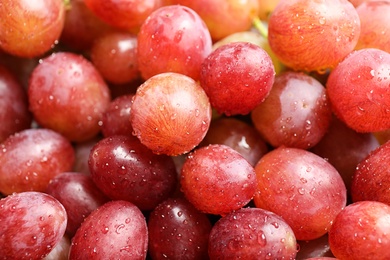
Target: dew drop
x,y
261,239
301,191
322,20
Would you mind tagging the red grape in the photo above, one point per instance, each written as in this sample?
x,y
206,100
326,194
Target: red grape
x,y
31,158
252,233
79,196
178,231
170,114
359,92
371,180
14,114
60,251
361,231
31,225
297,112
173,39
313,35
124,169
216,179
314,249
302,188
237,77
67,94
115,230
30,28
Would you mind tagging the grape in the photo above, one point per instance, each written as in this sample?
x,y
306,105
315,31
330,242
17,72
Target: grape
x,y
239,135
358,90
178,231
313,35
31,158
375,25
216,179
252,233
124,169
14,114
115,230
79,196
68,95
296,113
173,39
116,119
301,187
31,225
125,14
361,231
344,148
170,114
371,180
224,17
60,251
82,151
115,57
30,28
237,77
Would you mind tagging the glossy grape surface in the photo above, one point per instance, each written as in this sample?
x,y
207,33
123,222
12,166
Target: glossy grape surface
x,y
237,77
116,230
216,179
31,224
252,233
124,169
31,158
170,114
177,230
301,187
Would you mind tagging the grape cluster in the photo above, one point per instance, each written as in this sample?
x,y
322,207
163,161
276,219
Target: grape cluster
x,y
182,129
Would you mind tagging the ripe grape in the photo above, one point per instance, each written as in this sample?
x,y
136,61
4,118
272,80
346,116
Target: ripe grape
x,y
31,225
237,77
216,179
82,151
30,28
67,94
361,231
252,233
124,169
170,114
173,39
116,229
313,35
79,196
296,113
31,158
301,187
60,251
371,180
178,231
14,114
358,90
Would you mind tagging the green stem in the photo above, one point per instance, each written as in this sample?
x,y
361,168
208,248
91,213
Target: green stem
x,y
260,26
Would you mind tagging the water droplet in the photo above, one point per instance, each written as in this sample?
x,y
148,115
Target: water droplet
x,y
180,213
118,228
105,230
322,20
261,239
275,224
301,191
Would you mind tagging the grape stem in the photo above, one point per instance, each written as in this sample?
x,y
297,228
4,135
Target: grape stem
x,y
260,26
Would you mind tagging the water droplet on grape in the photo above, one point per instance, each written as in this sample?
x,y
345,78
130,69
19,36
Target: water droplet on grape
x,y
301,191
261,239
118,229
322,20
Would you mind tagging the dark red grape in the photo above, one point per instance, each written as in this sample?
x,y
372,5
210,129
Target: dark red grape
x,y
60,251
296,113
237,77
178,231
170,114
31,158
79,196
82,151
14,114
115,230
252,233
31,225
115,57
361,231
239,135
301,187
216,179
30,28
124,169
67,94
358,90
173,39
